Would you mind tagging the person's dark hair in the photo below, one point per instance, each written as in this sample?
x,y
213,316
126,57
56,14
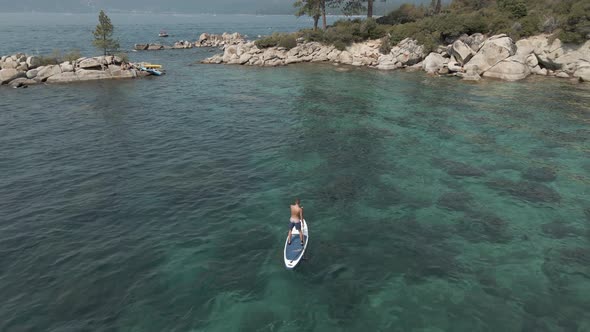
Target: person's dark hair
x,y
297,201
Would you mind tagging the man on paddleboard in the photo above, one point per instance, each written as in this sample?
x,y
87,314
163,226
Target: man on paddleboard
x,y
296,219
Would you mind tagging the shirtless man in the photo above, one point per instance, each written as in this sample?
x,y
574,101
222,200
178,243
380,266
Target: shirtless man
x,y
296,220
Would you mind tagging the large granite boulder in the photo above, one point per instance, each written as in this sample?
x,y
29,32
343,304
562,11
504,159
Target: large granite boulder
x,y
461,51
47,71
583,73
90,63
66,67
33,62
9,63
387,62
155,47
23,81
183,44
408,52
21,58
532,61
334,55
22,66
510,70
470,74
230,52
475,41
212,40
345,57
244,58
562,74
494,50
32,73
63,78
547,51
433,63
9,74
116,72
90,75
204,36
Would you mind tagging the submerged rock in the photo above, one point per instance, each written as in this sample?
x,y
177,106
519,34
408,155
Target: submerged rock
x,y
525,190
559,229
542,174
479,226
455,201
457,168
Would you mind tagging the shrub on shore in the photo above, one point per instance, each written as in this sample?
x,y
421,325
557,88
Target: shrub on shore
x,y
124,57
56,57
568,19
345,32
286,40
71,56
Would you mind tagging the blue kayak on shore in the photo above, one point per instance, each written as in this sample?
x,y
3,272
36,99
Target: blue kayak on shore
x,y
151,71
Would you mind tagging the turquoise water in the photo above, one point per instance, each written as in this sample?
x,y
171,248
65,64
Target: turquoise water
x,y
161,204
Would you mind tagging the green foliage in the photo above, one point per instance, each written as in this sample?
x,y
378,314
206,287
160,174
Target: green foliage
x,y
517,18
406,13
385,47
52,59
345,32
72,56
432,26
576,26
124,57
286,40
515,8
56,57
103,35
311,8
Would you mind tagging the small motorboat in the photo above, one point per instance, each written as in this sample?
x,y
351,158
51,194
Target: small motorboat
x,y
163,34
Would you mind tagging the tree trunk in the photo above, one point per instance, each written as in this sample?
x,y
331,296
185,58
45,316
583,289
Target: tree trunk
x,y
438,7
316,20
323,4
369,8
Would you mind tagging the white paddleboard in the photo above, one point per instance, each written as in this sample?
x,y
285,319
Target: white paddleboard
x,y
294,252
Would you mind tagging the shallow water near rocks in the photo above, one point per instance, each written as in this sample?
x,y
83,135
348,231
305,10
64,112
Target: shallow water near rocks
x,y
161,204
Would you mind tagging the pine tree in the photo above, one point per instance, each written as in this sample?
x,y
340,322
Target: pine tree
x,y
311,8
103,35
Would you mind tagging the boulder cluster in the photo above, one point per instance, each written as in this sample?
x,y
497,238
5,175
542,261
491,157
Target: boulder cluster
x,y
469,57
205,40
213,40
20,70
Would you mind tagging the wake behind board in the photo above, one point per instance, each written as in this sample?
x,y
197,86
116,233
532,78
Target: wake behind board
x,y
294,252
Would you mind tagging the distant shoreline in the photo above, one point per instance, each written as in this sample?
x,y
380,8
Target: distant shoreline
x,y
174,14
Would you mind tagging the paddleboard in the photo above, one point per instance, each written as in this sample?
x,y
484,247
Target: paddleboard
x,y
294,252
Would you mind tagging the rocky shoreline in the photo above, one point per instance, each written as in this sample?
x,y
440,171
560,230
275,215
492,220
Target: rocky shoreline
x,y
21,70
205,40
469,57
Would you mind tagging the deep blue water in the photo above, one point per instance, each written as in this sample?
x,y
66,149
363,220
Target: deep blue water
x,y
161,204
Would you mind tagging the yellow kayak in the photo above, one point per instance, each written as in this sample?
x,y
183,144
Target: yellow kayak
x,y
151,66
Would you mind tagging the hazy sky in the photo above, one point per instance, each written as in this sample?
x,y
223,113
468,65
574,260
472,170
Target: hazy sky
x,y
176,6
